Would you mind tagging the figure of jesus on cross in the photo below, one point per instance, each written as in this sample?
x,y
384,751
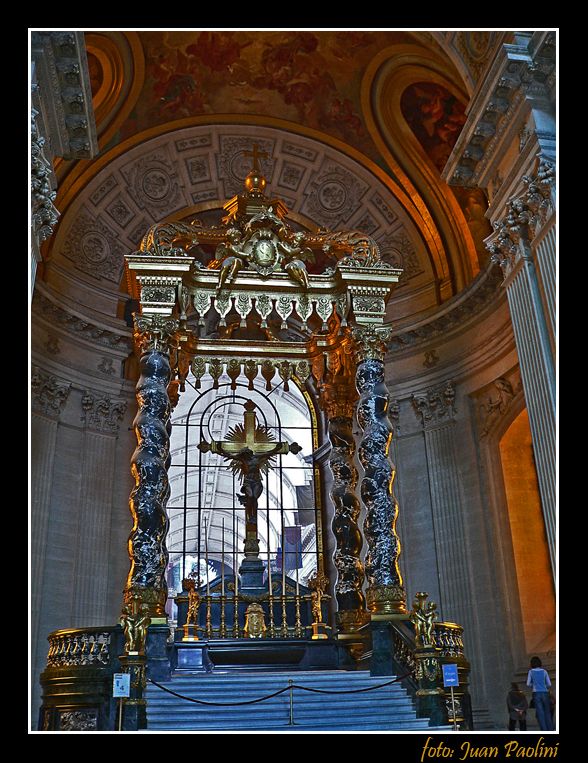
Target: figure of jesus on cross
x,y
250,448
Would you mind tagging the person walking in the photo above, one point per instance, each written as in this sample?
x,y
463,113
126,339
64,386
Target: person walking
x,y
517,708
538,680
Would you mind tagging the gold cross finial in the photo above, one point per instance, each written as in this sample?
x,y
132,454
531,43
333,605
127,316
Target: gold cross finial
x,y
256,154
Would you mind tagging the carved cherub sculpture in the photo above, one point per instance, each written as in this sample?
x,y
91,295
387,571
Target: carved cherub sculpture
x,y
232,257
294,254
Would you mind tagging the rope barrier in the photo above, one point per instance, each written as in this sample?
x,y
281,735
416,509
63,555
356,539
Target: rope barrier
x,y
280,691
219,704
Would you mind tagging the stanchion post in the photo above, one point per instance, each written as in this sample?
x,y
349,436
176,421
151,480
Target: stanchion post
x,y
453,710
290,682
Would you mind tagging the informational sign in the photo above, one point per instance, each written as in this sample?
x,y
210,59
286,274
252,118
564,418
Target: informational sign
x,y
121,685
450,677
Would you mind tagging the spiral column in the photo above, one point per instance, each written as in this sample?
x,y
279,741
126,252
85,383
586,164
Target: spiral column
x,y
385,593
338,400
146,581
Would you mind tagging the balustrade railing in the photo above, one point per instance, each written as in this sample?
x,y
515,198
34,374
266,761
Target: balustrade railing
x,y
79,646
276,617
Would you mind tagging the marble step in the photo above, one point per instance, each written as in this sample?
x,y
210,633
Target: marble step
x,y
386,708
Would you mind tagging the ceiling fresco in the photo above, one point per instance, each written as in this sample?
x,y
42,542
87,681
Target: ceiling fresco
x,y
312,78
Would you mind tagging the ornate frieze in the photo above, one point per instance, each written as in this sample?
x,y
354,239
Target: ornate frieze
x,y
84,329
64,84
48,395
519,71
101,413
483,292
436,405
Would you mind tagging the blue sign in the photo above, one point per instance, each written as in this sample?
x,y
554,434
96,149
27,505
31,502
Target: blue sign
x,y
450,677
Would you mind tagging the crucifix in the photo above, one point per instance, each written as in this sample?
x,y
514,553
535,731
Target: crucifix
x,y
256,154
250,447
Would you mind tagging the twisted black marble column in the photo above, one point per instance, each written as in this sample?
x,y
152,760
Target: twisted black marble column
x,y
148,498
385,594
348,588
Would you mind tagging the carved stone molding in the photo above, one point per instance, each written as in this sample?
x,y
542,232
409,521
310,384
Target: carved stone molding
x,y
436,405
519,71
483,293
101,413
48,395
495,400
64,84
77,326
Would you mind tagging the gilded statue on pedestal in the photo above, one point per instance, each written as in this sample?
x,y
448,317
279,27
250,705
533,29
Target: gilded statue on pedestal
x,y
135,628
423,616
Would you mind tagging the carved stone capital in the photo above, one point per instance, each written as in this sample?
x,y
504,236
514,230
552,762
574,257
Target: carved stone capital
x,y
44,214
154,332
436,405
47,394
101,413
370,342
523,217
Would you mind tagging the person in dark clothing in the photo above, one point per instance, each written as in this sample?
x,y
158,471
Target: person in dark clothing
x,y
517,705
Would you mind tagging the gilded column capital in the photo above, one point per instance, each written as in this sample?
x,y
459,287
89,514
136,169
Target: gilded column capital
x,y
154,332
370,342
436,405
48,395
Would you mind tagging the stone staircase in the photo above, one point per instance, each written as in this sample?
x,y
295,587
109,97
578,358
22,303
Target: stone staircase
x,y
388,708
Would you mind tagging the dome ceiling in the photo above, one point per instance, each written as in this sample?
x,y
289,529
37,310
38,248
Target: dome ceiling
x,y
176,110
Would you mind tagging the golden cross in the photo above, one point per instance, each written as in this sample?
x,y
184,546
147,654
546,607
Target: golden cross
x,y
260,446
256,154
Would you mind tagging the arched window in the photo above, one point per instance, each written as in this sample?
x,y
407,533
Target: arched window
x,y
206,517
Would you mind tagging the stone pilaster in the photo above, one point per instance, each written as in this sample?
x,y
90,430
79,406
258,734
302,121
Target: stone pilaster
x,y
530,286
48,397
385,593
147,547
338,401
436,410
101,416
